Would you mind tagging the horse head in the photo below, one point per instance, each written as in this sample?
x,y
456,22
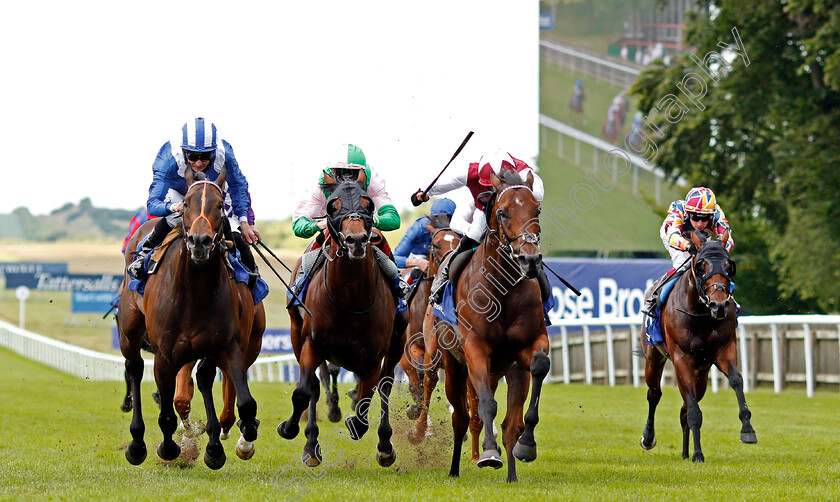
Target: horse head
x,y
713,270
515,220
350,218
203,217
444,241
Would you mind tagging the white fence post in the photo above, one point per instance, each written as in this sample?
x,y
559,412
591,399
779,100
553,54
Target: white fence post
x,y
610,357
564,334
809,361
587,355
745,366
777,358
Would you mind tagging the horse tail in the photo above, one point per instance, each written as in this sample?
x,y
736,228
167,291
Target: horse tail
x,y
638,352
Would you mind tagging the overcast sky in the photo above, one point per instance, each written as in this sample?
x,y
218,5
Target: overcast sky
x,y
91,90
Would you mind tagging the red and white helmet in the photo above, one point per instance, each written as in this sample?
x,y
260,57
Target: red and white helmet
x,y
700,200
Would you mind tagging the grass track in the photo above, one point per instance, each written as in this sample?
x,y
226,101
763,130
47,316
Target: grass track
x,y
65,439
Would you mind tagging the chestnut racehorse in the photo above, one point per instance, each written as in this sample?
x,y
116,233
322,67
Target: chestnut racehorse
x,y
698,324
501,327
353,324
192,309
444,241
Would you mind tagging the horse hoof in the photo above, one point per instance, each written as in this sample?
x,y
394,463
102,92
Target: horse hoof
x,y
310,460
415,437
334,415
244,449
355,435
126,405
413,412
524,453
646,446
749,438
214,463
224,435
169,451
699,458
386,459
288,430
135,453
490,458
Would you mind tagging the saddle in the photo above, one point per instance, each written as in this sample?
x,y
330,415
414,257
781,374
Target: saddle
x,y
459,263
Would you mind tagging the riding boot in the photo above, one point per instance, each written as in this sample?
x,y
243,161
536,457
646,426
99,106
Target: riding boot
x,y
153,240
388,265
247,259
649,308
545,285
442,277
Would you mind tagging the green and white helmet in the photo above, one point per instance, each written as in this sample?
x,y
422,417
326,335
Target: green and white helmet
x,y
344,162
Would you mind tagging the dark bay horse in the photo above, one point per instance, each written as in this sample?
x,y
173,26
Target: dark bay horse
x,y
191,309
501,327
698,323
444,241
353,324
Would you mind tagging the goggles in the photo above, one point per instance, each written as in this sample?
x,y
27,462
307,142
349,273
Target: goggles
x,y
195,156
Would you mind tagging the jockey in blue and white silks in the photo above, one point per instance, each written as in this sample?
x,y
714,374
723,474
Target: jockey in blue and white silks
x,y
199,149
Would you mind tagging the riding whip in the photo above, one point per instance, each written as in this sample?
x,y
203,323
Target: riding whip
x,y
416,201
564,281
274,255
281,280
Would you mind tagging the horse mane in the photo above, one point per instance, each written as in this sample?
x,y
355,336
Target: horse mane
x,y
509,177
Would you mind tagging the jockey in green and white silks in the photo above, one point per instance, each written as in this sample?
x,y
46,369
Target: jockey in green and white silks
x,y
343,164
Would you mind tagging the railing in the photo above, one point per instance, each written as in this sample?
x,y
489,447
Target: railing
x,y
93,365
783,349
600,68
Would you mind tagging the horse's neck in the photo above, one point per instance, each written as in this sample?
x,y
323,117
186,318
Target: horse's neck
x,y
355,274
689,292
204,278
498,264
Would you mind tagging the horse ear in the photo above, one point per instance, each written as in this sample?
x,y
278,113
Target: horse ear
x,y
723,239
189,176
367,203
695,238
362,177
529,181
328,179
494,180
220,181
333,207
431,229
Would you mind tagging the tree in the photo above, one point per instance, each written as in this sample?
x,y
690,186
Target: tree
x,y
763,138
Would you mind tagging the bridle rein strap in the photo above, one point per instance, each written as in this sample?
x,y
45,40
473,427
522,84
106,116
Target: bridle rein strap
x,y
506,244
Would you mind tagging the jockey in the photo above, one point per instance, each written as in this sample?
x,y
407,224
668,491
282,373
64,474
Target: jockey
x,y
700,212
344,164
413,249
476,177
198,149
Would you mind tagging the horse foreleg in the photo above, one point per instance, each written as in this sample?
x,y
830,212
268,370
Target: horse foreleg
x,y
329,380
184,391
385,453
135,452
691,418
302,393
456,390
167,420
654,364
475,421
478,364
126,404
432,361
526,447
311,450
513,426
214,455
228,416
726,363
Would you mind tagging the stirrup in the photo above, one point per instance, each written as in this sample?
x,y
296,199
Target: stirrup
x,y
649,308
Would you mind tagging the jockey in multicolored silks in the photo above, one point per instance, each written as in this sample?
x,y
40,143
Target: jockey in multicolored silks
x,y
476,177
344,164
700,212
198,149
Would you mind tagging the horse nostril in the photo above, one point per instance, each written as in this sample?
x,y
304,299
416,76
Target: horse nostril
x,y
206,241
350,240
363,239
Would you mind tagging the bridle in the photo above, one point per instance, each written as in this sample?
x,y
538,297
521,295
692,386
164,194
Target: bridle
x,y
217,236
505,243
704,292
339,237
434,247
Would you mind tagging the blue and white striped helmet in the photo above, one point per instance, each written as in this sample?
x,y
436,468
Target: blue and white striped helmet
x,y
198,137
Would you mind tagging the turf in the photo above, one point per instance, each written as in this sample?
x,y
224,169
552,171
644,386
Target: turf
x,y
65,440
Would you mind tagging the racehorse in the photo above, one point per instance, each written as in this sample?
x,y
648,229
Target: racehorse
x,y
353,327
501,327
444,241
192,309
698,324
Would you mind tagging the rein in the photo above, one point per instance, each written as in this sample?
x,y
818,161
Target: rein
x,y
505,243
703,293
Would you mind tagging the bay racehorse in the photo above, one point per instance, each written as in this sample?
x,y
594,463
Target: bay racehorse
x,y
353,325
444,241
501,327
192,309
698,323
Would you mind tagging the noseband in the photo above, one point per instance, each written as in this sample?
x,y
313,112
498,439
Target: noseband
x,y
216,236
506,244
716,267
